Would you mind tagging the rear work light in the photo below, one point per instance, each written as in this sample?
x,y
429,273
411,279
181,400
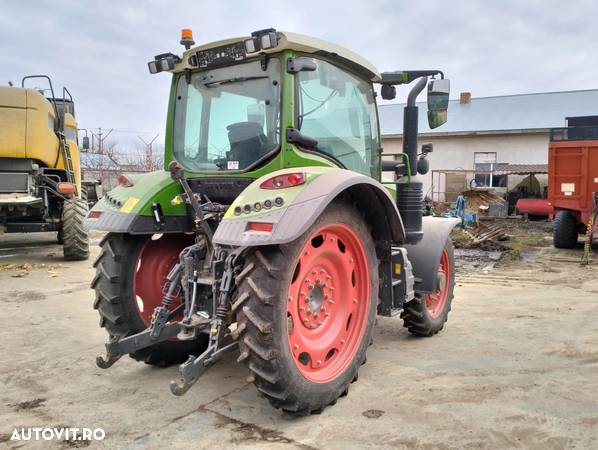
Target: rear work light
x,y
284,181
66,188
260,226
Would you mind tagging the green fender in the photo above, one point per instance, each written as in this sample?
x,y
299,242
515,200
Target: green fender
x,y
302,205
129,209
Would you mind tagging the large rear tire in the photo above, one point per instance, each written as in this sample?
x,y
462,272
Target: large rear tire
x,y
306,311
565,230
74,236
130,274
426,314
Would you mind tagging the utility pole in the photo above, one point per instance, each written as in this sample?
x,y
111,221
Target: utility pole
x,y
149,163
101,138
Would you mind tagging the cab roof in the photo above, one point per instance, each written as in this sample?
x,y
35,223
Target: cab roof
x,y
300,43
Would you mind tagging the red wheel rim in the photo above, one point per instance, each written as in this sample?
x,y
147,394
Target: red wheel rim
x,y
156,259
328,302
436,300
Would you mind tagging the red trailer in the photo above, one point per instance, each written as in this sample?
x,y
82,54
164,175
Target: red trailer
x,y
573,178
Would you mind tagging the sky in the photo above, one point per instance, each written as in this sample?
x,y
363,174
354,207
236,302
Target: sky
x,y
100,50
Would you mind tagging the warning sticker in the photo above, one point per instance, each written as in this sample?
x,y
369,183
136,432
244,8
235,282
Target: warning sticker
x,y
129,204
567,188
232,165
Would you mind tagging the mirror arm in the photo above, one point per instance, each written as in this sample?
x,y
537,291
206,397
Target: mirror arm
x,y
410,124
416,90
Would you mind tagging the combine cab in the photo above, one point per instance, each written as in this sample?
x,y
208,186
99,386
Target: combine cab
x,y
270,232
40,177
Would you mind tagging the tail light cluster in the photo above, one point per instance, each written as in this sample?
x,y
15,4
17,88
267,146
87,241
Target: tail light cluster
x,y
258,206
284,181
125,181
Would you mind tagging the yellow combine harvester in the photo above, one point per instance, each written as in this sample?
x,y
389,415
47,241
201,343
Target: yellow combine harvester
x,y
40,174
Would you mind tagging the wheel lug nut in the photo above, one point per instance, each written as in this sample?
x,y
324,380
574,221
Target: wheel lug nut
x,y
318,362
308,312
301,308
318,281
322,309
354,300
331,301
325,296
306,320
316,315
290,298
320,323
331,289
307,281
342,341
327,314
302,294
295,346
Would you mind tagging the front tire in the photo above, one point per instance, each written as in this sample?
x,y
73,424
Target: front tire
x,y
74,236
306,310
426,314
130,273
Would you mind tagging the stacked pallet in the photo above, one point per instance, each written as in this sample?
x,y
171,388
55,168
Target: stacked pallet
x,y
483,232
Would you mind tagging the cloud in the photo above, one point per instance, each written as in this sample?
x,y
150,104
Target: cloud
x,y
100,49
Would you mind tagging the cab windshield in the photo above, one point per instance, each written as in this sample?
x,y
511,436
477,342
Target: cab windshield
x,y
227,118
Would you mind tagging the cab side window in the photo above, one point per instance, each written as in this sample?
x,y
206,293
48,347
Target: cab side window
x,y
338,109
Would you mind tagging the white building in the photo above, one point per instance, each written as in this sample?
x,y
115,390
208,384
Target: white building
x,y
488,133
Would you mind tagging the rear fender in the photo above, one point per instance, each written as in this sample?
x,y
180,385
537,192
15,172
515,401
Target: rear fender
x,y
425,255
303,204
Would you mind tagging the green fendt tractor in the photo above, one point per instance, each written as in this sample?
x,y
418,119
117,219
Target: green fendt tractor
x,y
271,231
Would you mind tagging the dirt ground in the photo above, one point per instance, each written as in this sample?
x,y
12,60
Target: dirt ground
x,y
516,367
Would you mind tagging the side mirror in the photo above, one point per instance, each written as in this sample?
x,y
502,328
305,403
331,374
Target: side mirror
x,y
85,143
438,98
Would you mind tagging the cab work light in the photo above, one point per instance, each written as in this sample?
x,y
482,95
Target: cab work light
x,y
261,40
284,181
162,62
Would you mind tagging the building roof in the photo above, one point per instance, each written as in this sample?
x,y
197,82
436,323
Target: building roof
x,y
520,113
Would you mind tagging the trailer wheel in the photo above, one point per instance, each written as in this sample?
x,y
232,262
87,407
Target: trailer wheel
x,y
565,230
426,314
306,310
74,236
130,275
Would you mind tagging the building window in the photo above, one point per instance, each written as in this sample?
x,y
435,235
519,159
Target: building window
x,y
486,162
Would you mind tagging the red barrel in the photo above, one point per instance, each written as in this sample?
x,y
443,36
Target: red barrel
x,y
534,207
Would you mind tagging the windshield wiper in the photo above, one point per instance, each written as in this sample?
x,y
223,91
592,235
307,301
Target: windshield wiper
x,y
232,80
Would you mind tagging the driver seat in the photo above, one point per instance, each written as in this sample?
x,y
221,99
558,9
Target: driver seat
x,y
248,143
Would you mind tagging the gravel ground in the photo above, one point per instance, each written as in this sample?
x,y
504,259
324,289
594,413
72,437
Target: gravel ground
x,y
516,367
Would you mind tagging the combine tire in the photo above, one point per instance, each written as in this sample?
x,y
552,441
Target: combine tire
x,y
306,310
426,314
565,230
74,236
130,275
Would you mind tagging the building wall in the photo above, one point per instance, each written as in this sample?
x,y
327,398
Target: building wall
x,y
457,152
